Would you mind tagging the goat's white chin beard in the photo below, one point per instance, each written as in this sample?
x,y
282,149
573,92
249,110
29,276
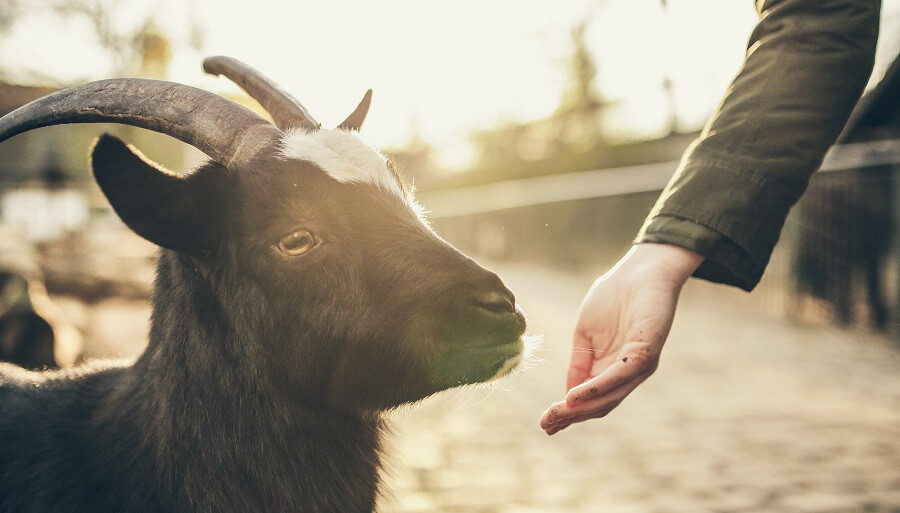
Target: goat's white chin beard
x,y
508,366
525,359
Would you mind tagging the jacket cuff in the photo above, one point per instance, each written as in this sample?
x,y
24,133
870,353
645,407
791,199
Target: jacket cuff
x,y
722,207
724,261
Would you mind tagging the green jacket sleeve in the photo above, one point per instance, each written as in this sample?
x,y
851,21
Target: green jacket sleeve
x,y
807,63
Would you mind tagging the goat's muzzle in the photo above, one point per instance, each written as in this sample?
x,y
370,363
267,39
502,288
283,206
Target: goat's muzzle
x,y
495,301
494,316
485,341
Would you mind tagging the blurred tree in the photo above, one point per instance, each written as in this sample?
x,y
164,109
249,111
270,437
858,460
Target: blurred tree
x,y
127,34
125,30
581,94
9,10
570,139
122,42
582,106
136,48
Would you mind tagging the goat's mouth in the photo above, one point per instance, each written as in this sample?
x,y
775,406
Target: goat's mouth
x,y
479,353
507,358
470,365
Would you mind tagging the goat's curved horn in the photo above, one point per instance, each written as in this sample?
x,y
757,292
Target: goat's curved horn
x,y
224,130
355,120
285,110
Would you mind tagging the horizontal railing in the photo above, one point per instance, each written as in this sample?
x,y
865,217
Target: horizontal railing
x,y
541,190
601,183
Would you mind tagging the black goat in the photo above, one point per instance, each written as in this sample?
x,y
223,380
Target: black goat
x,y
299,294
26,338
846,229
847,217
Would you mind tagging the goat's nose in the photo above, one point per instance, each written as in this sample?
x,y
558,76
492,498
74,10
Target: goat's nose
x,y
497,301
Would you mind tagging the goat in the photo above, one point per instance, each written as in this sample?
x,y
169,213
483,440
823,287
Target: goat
x,y
26,338
846,226
299,295
847,216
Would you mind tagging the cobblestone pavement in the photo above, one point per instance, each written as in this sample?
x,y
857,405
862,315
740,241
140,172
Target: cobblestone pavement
x,y
745,414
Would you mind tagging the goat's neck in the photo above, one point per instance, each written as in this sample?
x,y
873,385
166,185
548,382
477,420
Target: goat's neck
x,y
213,412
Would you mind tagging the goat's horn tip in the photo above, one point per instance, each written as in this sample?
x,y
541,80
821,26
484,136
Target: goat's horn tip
x,y
212,65
366,100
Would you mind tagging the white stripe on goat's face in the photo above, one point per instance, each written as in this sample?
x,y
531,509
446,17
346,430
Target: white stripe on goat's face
x,y
343,156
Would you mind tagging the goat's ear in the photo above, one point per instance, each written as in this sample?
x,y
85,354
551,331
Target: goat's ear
x,y
157,204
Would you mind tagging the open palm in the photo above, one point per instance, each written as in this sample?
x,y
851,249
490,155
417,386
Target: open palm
x,y
622,325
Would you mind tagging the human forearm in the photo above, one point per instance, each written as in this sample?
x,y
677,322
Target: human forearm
x,y
807,64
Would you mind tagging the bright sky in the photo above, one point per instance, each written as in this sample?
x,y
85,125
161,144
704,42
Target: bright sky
x,y
438,69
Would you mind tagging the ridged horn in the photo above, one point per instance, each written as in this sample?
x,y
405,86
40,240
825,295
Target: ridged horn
x,y
227,132
355,120
285,110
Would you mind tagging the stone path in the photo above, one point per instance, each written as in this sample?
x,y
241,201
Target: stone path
x,y
745,414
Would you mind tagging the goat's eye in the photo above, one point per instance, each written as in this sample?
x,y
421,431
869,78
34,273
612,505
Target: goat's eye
x,y
297,244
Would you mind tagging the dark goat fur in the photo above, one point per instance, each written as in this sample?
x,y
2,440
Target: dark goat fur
x,y
265,378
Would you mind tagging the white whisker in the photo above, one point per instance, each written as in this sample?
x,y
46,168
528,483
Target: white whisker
x,y
491,392
466,401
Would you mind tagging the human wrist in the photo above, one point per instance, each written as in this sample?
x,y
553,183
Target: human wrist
x,y
672,262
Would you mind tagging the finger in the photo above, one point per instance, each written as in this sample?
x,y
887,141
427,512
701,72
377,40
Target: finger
x,y
561,412
610,379
582,359
555,429
583,417
556,414
616,382
600,406
601,412
630,365
553,414
596,408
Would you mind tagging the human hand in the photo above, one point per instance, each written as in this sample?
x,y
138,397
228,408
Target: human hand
x,y
622,325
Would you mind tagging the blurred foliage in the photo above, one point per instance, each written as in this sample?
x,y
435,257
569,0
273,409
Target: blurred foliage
x,y
571,139
581,95
124,44
561,142
9,11
126,31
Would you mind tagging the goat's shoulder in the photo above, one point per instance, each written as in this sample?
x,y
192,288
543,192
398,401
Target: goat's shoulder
x,y
45,429
27,395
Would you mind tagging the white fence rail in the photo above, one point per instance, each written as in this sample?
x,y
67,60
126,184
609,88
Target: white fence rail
x,y
601,183
547,189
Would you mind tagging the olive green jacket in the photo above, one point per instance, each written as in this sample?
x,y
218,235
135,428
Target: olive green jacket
x,y
806,65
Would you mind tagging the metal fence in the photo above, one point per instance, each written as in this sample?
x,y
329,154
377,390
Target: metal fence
x,y
838,250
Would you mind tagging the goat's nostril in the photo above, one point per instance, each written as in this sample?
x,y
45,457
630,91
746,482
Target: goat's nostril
x,y
496,301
